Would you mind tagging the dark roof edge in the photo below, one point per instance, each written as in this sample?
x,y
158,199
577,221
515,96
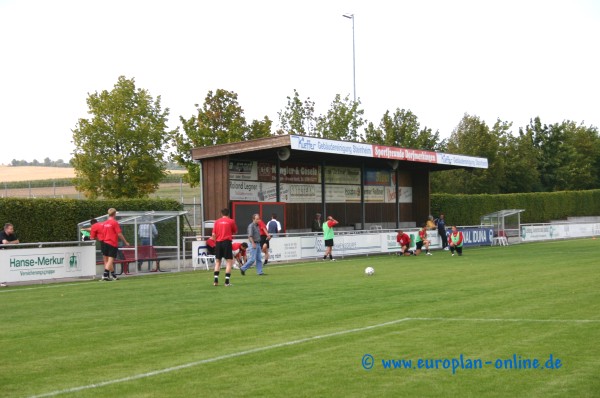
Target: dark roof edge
x,y
258,144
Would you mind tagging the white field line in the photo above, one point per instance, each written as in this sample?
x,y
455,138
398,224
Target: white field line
x,y
520,320
295,342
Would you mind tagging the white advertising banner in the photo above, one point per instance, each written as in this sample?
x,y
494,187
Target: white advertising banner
x,y
558,231
21,264
405,194
252,191
462,160
317,145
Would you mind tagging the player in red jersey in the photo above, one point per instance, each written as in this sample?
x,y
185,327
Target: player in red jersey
x,y
223,232
265,237
111,233
239,252
403,240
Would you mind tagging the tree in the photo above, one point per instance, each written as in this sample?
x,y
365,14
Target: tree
x,y
119,151
341,121
520,163
260,128
297,117
583,147
220,121
473,137
402,129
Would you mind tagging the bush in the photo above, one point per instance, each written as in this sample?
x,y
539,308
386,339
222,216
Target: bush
x,y
540,207
55,220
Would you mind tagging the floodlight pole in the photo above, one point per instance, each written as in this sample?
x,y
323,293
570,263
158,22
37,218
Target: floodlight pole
x,y
351,16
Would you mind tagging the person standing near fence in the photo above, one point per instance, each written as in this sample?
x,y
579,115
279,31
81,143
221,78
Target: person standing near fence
x,y
112,233
441,227
222,234
274,226
317,225
265,237
254,251
147,233
328,237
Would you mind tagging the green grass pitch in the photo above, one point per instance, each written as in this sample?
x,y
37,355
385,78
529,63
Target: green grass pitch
x,y
306,329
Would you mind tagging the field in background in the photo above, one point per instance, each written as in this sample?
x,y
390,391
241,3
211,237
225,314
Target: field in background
x,y
318,329
54,182
29,173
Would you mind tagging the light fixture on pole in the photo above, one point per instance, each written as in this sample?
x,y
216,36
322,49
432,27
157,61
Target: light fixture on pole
x,y
351,16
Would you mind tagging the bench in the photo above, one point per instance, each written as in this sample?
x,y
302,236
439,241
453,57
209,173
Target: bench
x,y
144,253
127,256
500,240
119,261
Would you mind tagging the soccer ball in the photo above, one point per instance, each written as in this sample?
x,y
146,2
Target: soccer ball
x,y
369,271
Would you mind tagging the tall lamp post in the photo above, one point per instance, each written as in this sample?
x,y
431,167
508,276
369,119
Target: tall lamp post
x,y
351,16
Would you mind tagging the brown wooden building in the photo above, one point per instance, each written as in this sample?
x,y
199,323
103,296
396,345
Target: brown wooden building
x,y
298,176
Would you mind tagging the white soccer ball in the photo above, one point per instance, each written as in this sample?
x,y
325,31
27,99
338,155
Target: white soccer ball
x,y
369,271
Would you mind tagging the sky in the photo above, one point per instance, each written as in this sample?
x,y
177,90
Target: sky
x,y
507,59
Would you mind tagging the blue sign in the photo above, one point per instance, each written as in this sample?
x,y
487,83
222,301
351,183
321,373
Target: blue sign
x,y
476,236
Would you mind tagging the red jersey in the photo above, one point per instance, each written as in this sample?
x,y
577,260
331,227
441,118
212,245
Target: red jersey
x,y
97,231
403,239
111,232
423,234
262,227
224,229
238,250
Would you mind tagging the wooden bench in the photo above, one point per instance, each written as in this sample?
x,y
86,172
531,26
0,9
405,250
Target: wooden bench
x,y
144,253
119,261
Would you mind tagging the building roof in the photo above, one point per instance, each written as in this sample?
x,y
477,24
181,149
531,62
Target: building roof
x,y
311,149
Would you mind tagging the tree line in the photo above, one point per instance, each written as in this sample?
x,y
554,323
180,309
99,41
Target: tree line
x,y
122,150
46,163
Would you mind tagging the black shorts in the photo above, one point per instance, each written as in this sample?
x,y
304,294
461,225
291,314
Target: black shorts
x,y
328,242
223,250
109,250
264,241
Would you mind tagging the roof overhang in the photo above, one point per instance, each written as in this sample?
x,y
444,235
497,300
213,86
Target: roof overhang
x,y
311,149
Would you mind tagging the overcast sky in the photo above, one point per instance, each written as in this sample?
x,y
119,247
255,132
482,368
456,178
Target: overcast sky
x,y
508,59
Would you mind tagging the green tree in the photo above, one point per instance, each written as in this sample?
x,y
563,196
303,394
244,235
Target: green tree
x,y
220,120
260,128
119,151
402,129
297,117
520,164
583,147
342,120
473,137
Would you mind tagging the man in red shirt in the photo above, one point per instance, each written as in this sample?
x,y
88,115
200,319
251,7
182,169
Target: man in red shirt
x,y
111,233
223,232
239,252
403,240
97,233
265,237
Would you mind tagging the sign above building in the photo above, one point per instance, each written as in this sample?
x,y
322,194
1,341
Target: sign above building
x,y
311,144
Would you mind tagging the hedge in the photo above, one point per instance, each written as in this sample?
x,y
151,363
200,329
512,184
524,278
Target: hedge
x,y
55,220
540,207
